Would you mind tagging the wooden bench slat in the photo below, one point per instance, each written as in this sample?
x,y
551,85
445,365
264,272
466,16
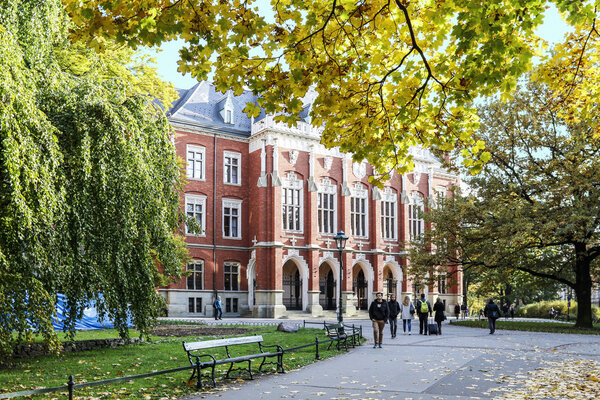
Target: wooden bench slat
x,y
208,344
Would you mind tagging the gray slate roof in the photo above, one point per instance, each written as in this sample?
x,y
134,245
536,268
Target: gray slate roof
x,y
200,105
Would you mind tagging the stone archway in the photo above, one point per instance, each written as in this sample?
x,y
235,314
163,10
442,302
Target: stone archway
x,y
327,287
392,278
295,282
362,284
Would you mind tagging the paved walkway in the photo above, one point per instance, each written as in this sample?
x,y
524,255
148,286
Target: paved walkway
x,y
462,363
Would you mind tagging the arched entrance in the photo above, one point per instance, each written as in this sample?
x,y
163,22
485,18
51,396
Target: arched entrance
x,y
292,286
360,288
327,292
389,283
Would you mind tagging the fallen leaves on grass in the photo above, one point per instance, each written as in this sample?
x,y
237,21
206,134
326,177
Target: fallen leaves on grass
x,y
572,379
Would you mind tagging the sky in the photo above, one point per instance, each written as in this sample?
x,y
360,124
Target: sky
x,y
553,30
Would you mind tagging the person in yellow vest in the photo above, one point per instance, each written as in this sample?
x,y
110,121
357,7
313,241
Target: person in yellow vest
x,y
424,310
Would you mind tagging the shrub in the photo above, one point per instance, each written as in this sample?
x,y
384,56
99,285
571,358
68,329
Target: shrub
x,y
541,309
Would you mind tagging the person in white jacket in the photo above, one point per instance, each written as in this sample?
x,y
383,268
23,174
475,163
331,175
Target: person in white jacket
x,y
407,312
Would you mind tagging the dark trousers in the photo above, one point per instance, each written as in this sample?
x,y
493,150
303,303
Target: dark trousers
x,y
218,313
393,326
492,322
439,324
423,324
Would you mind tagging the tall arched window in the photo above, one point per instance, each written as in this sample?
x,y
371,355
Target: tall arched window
x,y
326,207
292,203
389,214
415,215
359,213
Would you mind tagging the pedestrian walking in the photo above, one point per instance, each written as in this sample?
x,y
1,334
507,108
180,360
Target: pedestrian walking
x,y
512,311
424,310
218,308
463,308
407,313
492,312
438,307
379,314
394,309
505,310
457,310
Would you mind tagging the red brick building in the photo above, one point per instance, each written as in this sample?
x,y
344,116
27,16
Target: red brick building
x,y
270,199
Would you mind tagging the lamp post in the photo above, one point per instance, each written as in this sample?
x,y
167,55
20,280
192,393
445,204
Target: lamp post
x,y
340,241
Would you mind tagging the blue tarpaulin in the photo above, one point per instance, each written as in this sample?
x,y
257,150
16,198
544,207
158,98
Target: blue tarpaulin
x,y
90,319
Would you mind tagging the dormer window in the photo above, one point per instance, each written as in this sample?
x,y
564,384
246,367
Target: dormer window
x,y
225,108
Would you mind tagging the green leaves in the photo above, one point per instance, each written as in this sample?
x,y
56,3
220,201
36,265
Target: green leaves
x,y
89,180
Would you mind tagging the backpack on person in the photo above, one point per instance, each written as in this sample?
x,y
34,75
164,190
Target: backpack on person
x,y
424,309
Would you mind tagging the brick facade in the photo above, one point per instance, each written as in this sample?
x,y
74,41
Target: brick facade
x,y
277,268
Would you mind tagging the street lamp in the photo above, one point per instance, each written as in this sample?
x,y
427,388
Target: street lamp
x,y
340,241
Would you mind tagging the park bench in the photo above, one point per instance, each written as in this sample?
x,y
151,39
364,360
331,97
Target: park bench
x,y
204,361
338,334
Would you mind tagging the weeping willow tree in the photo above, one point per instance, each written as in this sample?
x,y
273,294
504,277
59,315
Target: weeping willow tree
x,y
89,179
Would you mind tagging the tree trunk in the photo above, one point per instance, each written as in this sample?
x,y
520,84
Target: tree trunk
x,y
583,287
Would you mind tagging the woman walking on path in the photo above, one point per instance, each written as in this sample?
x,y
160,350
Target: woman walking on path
x,y
379,314
438,307
394,308
407,313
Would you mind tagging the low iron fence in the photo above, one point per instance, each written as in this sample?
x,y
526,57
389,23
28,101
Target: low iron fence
x,y
71,386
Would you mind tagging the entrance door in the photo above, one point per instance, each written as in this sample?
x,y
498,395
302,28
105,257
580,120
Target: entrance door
x,y
292,287
360,291
327,291
389,285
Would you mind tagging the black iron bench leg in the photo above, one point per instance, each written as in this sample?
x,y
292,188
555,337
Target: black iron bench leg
x,y
212,376
229,371
196,372
261,364
250,369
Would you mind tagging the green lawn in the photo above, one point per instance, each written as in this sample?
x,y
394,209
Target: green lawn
x,y
529,326
93,365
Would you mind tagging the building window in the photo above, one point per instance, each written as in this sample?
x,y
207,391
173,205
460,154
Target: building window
x,y
195,206
442,279
231,305
292,201
228,116
231,170
195,281
389,207
358,211
195,304
326,205
415,216
195,162
232,213
232,276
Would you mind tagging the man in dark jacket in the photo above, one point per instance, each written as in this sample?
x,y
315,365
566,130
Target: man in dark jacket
x,y
423,310
394,308
379,314
492,312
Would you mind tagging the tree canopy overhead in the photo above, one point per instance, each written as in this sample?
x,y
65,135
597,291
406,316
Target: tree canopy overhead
x,y
389,74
